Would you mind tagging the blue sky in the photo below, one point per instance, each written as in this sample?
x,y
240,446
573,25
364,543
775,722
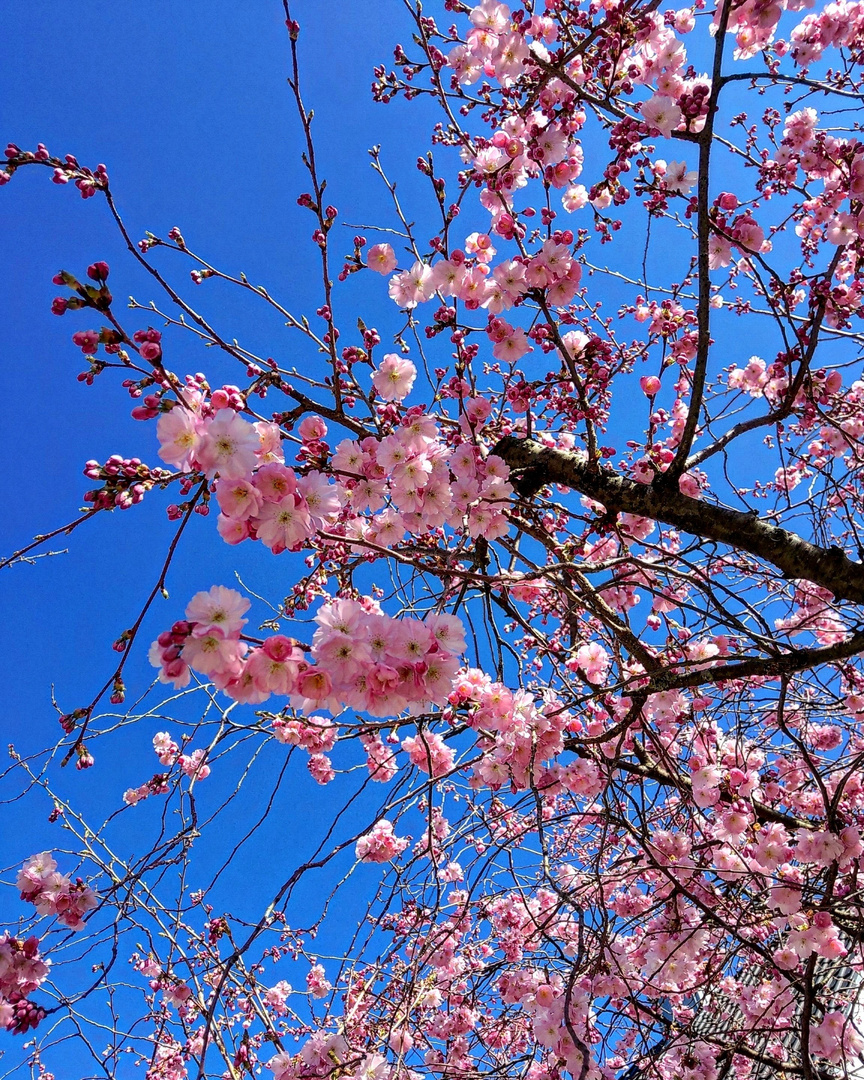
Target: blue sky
x,y
188,107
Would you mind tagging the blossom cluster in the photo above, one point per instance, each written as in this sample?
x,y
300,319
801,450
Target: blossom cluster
x,y
410,480
323,1050
520,741
383,666
478,285
169,753
817,935
380,844
427,483
541,142
55,894
361,658
257,494
547,1000
314,734
22,970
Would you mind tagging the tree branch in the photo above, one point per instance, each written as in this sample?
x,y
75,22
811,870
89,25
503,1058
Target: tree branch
x,y
795,557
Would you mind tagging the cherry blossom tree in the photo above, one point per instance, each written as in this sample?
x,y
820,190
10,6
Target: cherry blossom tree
x,y
571,639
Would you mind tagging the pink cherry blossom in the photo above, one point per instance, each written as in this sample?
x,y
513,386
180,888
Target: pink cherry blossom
x,y
228,446
412,287
394,377
219,606
662,114
381,258
380,844
179,433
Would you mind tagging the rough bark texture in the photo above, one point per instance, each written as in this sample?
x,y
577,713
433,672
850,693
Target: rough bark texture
x,y
792,555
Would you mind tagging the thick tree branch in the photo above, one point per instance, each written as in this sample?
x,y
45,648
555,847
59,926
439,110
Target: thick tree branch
x,y
790,553
759,667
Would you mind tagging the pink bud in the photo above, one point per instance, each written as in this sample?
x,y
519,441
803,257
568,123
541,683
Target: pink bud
x,y
650,385
505,226
98,271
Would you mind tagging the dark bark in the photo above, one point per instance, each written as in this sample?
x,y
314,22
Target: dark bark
x,y
791,554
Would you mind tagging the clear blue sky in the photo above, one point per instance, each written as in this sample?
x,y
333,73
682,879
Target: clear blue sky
x,y
187,105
